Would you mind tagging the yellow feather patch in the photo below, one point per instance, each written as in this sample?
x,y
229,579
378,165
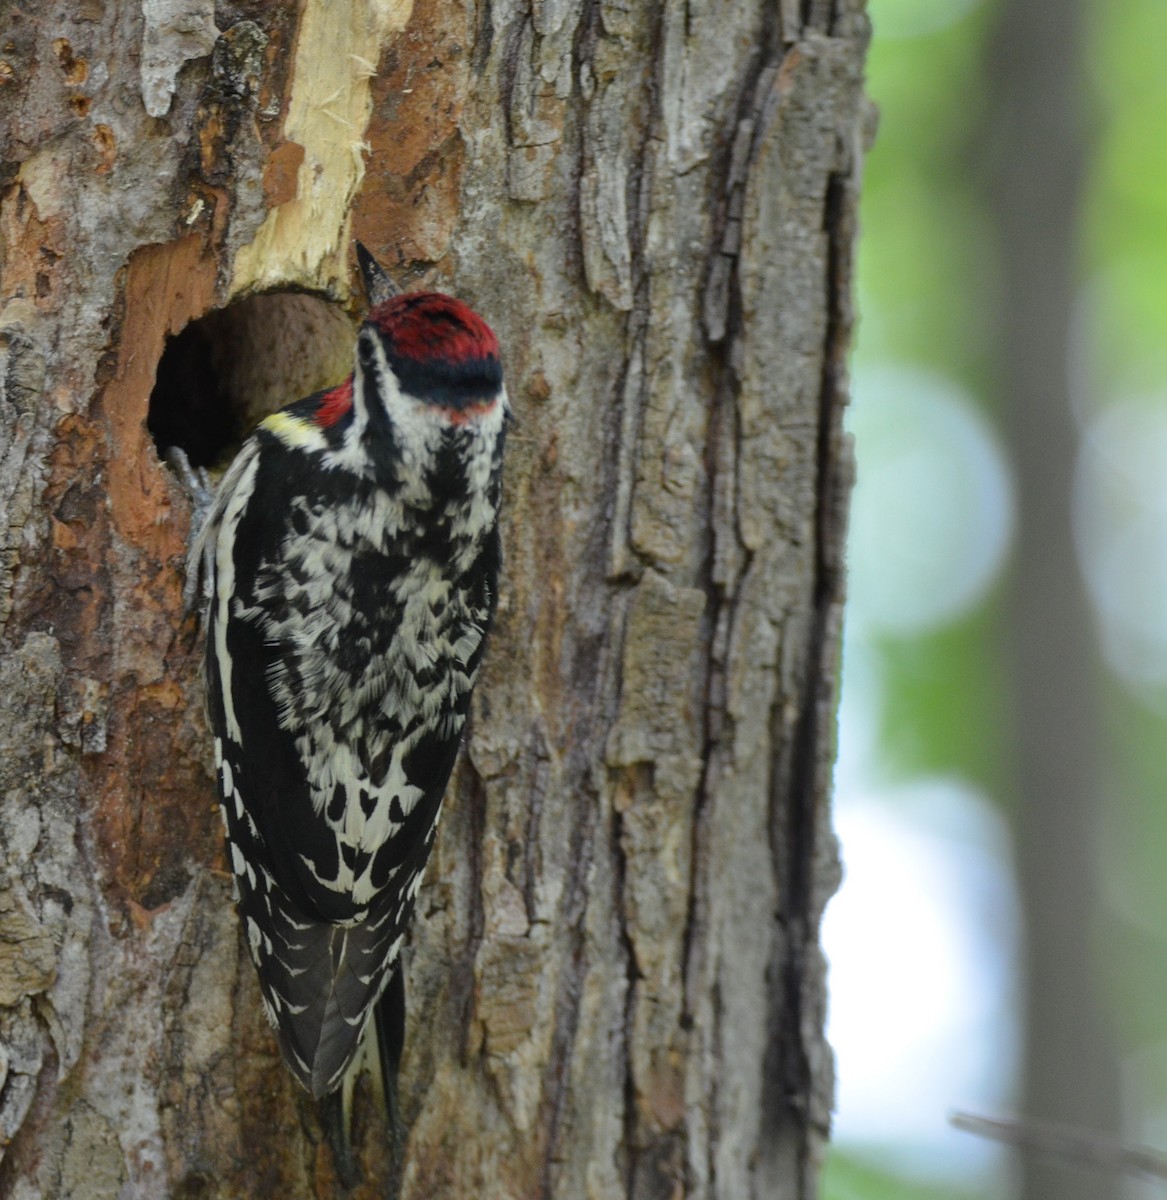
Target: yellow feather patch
x,y
294,431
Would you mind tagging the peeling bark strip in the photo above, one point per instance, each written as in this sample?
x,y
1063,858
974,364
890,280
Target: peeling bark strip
x,y
615,987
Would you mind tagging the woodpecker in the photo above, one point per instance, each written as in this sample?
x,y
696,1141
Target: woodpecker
x,y
350,565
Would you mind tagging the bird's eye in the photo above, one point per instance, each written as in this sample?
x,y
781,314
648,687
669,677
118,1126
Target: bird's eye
x,y
365,348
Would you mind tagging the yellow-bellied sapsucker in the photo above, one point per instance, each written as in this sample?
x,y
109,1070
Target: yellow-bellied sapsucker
x,y
350,563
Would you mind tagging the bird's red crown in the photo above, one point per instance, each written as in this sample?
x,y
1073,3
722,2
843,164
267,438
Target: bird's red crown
x,y
428,327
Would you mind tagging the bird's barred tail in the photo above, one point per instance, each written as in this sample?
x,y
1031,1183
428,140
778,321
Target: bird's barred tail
x,y
319,981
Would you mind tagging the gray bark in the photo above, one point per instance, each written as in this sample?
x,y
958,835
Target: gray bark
x,y
614,980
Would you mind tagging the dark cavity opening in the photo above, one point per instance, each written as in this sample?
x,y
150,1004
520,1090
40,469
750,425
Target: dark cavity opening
x,y
222,374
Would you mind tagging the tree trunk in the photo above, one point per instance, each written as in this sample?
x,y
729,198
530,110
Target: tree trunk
x,y
614,981
1037,137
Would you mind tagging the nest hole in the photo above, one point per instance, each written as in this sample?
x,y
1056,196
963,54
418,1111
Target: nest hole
x,y
223,373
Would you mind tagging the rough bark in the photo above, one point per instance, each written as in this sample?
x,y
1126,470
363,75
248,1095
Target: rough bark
x,y
614,981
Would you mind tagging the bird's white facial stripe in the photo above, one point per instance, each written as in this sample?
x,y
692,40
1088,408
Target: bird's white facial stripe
x,y
418,424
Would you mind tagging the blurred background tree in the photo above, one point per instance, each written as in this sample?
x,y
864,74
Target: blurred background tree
x,y
998,945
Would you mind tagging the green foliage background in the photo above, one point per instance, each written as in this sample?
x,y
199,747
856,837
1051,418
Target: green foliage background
x,y
927,297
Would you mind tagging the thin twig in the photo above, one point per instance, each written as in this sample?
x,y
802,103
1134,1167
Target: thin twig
x,y
1086,1147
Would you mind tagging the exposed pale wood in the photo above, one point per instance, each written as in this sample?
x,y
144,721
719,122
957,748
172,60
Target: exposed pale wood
x,y
614,979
